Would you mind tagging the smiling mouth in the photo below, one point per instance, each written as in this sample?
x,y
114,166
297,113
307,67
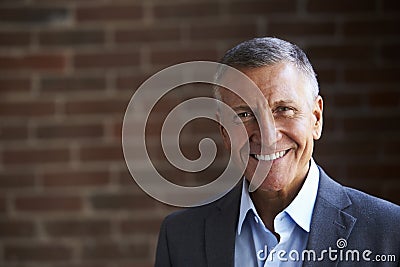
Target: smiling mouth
x,y
273,156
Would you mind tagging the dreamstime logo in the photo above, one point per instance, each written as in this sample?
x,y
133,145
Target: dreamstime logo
x,y
137,115
330,254
341,243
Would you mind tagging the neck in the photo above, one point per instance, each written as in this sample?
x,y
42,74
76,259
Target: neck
x,y
269,204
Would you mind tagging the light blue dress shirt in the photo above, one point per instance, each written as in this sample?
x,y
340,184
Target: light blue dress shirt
x,y
255,245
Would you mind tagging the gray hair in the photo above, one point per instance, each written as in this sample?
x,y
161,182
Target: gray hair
x,y
267,51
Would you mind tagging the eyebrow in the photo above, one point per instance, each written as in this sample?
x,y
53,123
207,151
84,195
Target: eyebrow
x,y
276,103
241,107
283,102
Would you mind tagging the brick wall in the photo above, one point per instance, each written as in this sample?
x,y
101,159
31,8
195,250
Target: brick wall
x,y
68,69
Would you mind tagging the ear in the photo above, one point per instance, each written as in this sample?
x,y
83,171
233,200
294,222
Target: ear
x,y
224,134
317,114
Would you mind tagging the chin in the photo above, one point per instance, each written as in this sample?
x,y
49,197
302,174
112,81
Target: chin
x,y
272,184
275,186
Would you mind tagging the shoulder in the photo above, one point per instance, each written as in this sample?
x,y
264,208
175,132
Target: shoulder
x,y
189,216
371,206
358,203
193,218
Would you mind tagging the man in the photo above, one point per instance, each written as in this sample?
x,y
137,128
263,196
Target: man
x,y
298,216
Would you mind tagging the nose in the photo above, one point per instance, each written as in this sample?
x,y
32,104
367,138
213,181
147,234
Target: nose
x,y
265,132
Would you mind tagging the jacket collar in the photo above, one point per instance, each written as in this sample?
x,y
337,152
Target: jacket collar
x,y
220,229
330,222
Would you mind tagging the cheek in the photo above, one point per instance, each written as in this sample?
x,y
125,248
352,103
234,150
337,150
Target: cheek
x,y
300,131
237,138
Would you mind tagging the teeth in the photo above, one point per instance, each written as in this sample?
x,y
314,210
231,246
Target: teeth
x,y
276,155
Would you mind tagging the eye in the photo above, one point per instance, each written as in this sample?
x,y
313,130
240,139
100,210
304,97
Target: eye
x,y
243,116
284,110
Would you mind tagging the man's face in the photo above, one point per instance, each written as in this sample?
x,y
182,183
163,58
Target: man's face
x,y
295,117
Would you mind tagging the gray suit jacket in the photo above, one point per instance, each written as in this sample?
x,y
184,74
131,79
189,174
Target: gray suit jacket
x,y
205,236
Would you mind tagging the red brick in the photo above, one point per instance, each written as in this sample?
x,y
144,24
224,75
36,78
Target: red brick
x,y
390,6
114,251
131,82
301,28
341,6
185,10
261,7
243,31
369,186
358,53
326,76
14,39
171,173
13,132
384,99
333,169
75,228
347,100
70,38
97,107
26,109
75,84
109,13
209,174
37,253
37,15
73,131
371,28
139,226
148,35
391,52
392,193
35,155
101,153
83,2
3,205
70,178
16,180
117,130
16,229
48,203
121,201
331,124
372,124
126,180
379,171
360,148
106,60
34,62
370,75
201,128
18,85
391,147
179,55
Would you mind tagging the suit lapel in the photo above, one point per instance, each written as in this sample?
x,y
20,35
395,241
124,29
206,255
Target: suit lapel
x,y
220,229
330,222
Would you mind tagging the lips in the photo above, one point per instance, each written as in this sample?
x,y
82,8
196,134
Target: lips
x,y
272,156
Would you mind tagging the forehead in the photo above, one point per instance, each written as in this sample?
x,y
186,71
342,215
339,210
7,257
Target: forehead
x,y
279,82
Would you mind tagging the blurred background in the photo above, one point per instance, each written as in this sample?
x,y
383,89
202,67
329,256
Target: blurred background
x,y
68,69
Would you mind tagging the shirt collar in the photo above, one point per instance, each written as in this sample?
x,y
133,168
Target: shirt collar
x,y
302,206
300,209
246,205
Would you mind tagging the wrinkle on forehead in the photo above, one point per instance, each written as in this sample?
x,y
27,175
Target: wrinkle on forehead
x,y
280,83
